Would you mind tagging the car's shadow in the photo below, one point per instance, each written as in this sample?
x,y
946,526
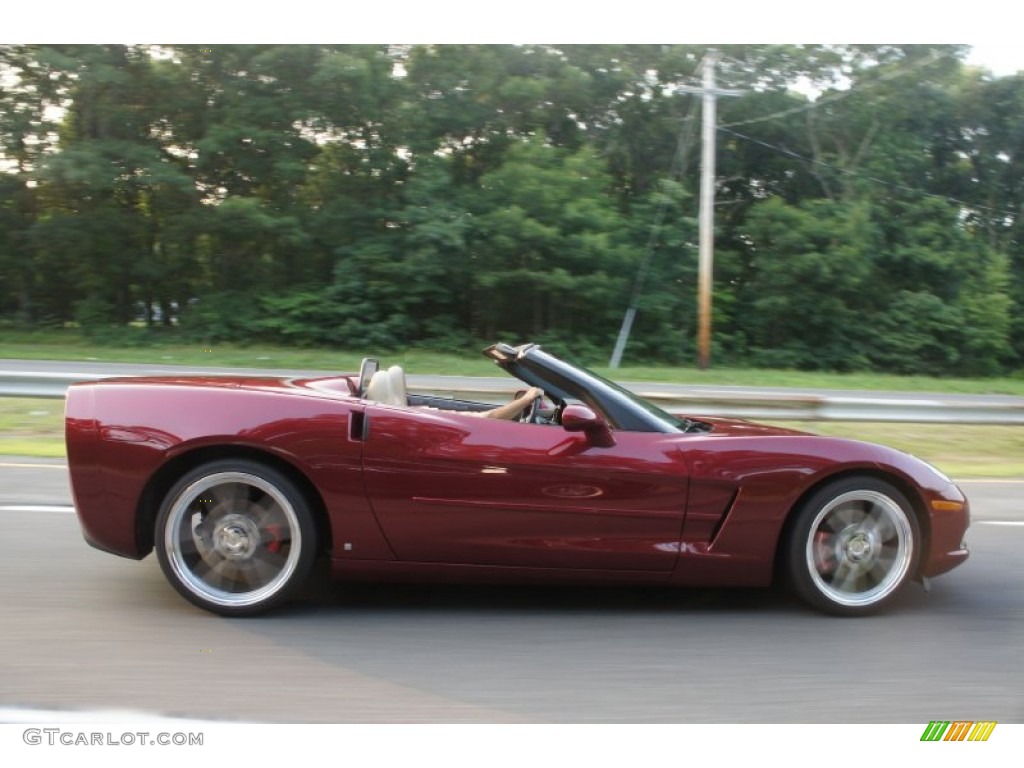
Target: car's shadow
x,y
442,598
324,596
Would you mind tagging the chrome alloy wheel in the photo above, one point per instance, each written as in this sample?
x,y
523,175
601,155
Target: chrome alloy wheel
x,y
232,539
860,548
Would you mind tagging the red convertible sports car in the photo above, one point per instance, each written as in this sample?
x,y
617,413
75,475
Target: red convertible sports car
x,y
240,483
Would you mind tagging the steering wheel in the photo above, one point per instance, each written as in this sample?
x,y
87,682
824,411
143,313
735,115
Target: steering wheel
x,y
530,413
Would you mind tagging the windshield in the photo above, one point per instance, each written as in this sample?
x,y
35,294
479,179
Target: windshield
x,y
565,381
667,418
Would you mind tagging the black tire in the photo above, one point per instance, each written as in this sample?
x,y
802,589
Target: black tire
x,y
853,545
235,537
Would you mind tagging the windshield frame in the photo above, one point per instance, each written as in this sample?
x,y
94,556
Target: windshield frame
x,y
621,408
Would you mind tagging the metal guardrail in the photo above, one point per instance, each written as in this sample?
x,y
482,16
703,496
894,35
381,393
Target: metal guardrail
x,y
31,384
796,406
768,405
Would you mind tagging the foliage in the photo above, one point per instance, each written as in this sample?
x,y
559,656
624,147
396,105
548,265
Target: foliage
x,y
432,196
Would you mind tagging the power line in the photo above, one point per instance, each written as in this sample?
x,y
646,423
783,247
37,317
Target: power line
x,y
677,168
708,92
840,95
874,179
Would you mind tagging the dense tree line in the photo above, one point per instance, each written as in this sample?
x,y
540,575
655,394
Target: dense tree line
x,y
379,196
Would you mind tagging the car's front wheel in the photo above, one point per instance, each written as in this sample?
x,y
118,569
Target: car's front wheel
x,y
854,543
235,537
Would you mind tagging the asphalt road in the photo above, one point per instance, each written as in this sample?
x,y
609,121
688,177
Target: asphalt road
x,y
82,629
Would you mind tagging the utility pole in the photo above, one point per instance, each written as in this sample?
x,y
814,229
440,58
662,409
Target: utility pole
x,y
706,219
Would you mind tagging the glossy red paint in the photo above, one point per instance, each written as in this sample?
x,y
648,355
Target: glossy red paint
x,y
140,426
421,493
456,489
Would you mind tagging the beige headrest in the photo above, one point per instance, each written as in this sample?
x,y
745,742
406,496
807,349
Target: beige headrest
x,y
379,389
399,395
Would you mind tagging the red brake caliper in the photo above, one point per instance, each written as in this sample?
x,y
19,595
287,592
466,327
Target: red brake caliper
x,y
273,538
824,558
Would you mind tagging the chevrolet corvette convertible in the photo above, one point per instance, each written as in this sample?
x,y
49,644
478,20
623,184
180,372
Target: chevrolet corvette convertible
x,y
240,483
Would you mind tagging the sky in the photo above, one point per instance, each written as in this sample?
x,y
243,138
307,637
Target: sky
x,y
990,26
1001,60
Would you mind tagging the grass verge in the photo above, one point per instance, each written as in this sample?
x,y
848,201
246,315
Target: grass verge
x,y
961,451
31,427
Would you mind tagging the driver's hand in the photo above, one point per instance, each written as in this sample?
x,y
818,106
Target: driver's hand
x,y
533,393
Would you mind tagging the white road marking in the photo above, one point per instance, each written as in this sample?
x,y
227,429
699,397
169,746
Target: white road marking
x,y
36,508
998,522
17,715
993,481
25,465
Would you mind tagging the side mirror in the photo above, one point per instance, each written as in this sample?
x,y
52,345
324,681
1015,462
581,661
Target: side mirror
x,y
579,418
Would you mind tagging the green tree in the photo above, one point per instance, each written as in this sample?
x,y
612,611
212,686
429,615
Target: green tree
x,y
543,254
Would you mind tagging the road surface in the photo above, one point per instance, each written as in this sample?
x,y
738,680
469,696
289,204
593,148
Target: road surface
x,y
83,629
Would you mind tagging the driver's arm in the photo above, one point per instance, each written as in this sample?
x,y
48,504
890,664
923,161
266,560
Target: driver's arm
x,y
513,409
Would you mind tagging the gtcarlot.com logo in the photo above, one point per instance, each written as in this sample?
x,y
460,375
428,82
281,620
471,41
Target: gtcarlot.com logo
x,y
55,736
958,730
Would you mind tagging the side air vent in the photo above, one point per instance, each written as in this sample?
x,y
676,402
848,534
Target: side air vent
x,y
358,427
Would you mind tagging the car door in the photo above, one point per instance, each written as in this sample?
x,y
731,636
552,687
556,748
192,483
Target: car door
x,y
454,488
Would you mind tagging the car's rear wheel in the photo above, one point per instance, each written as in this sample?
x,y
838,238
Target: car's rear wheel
x,y
235,537
853,545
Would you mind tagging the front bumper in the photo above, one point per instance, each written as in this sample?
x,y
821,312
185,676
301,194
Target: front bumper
x,y
949,516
